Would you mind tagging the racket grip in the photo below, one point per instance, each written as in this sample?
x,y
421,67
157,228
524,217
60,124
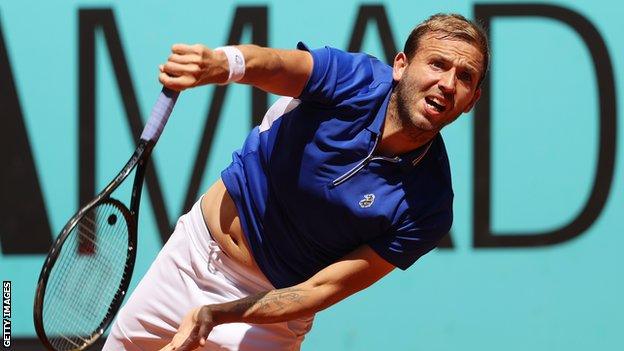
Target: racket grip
x,y
160,114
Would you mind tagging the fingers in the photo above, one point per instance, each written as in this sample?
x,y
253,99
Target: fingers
x,y
176,69
168,347
176,83
184,49
203,332
204,318
185,59
189,343
183,68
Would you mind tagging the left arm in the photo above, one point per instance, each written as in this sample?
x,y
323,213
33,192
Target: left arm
x,y
354,272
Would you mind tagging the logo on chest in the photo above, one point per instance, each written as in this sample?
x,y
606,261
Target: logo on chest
x,y
367,201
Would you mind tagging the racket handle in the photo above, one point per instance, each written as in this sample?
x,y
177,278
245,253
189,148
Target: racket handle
x,y
160,115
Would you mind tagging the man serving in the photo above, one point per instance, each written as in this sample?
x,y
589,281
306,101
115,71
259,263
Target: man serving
x,y
346,178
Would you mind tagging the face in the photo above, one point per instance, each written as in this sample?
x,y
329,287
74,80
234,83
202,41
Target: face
x,y
436,85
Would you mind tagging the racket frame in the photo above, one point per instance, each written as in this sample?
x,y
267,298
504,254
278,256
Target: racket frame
x,y
139,160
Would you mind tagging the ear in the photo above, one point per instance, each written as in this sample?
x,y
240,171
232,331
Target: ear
x,y
399,66
474,100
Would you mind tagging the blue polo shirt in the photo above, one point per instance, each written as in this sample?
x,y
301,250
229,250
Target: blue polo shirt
x,y
309,188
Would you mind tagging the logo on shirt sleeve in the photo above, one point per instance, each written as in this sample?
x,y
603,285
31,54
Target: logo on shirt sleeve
x,y
367,201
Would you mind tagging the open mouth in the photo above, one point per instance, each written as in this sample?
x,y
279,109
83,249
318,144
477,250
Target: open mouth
x,y
435,103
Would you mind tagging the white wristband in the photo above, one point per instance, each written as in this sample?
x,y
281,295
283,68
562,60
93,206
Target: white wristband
x,y
236,63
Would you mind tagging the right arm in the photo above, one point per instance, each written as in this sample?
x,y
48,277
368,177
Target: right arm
x,y
354,272
281,72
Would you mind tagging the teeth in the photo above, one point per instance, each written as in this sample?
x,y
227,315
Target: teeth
x,y
433,102
437,102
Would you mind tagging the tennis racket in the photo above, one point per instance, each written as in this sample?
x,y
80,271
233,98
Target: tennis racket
x,y
85,277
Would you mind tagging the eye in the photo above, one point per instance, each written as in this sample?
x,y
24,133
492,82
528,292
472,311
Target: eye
x,y
465,77
437,64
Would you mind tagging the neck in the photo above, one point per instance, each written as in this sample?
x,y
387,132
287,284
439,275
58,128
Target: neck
x,y
397,137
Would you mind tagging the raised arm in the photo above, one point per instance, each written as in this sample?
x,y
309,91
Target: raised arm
x,y
281,72
354,272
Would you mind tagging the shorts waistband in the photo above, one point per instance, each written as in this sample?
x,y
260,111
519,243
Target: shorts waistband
x,y
216,258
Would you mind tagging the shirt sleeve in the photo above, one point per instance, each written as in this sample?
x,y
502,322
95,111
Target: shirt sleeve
x,y
337,75
413,238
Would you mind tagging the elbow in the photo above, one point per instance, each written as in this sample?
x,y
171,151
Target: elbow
x,y
323,294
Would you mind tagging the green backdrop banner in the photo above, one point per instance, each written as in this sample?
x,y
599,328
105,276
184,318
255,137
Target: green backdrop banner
x,y
532,261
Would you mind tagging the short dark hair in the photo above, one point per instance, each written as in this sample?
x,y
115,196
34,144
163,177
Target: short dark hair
x,y
452,26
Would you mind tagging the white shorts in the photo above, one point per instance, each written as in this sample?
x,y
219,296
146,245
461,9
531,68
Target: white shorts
x,y
190,271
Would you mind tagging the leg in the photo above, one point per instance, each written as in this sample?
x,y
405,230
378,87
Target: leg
x,y
191,270
151,315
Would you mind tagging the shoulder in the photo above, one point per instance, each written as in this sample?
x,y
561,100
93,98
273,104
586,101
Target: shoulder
x,y
327,58
338,75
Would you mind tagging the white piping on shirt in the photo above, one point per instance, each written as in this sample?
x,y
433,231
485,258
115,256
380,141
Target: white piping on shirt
x,y
343,178
281,107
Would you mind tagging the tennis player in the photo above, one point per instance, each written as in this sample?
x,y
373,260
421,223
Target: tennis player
x,y
346,178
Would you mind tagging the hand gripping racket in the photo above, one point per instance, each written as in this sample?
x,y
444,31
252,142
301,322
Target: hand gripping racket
x,y
86,274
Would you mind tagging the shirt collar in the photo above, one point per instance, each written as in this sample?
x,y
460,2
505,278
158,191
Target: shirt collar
x,y
412,158
409,159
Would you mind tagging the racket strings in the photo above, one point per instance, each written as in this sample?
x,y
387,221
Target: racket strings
x,y
85,307
108,270
83,283
90,290
105,265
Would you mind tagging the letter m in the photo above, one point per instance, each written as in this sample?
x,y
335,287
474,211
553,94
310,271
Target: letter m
x,y
24,228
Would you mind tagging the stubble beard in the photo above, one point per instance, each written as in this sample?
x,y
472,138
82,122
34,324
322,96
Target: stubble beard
x,y
411,122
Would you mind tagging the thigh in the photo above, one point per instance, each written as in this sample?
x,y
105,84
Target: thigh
x,y
253,337
159,302
181,278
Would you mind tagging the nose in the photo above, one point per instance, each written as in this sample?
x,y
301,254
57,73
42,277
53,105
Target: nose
x,y
447,81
